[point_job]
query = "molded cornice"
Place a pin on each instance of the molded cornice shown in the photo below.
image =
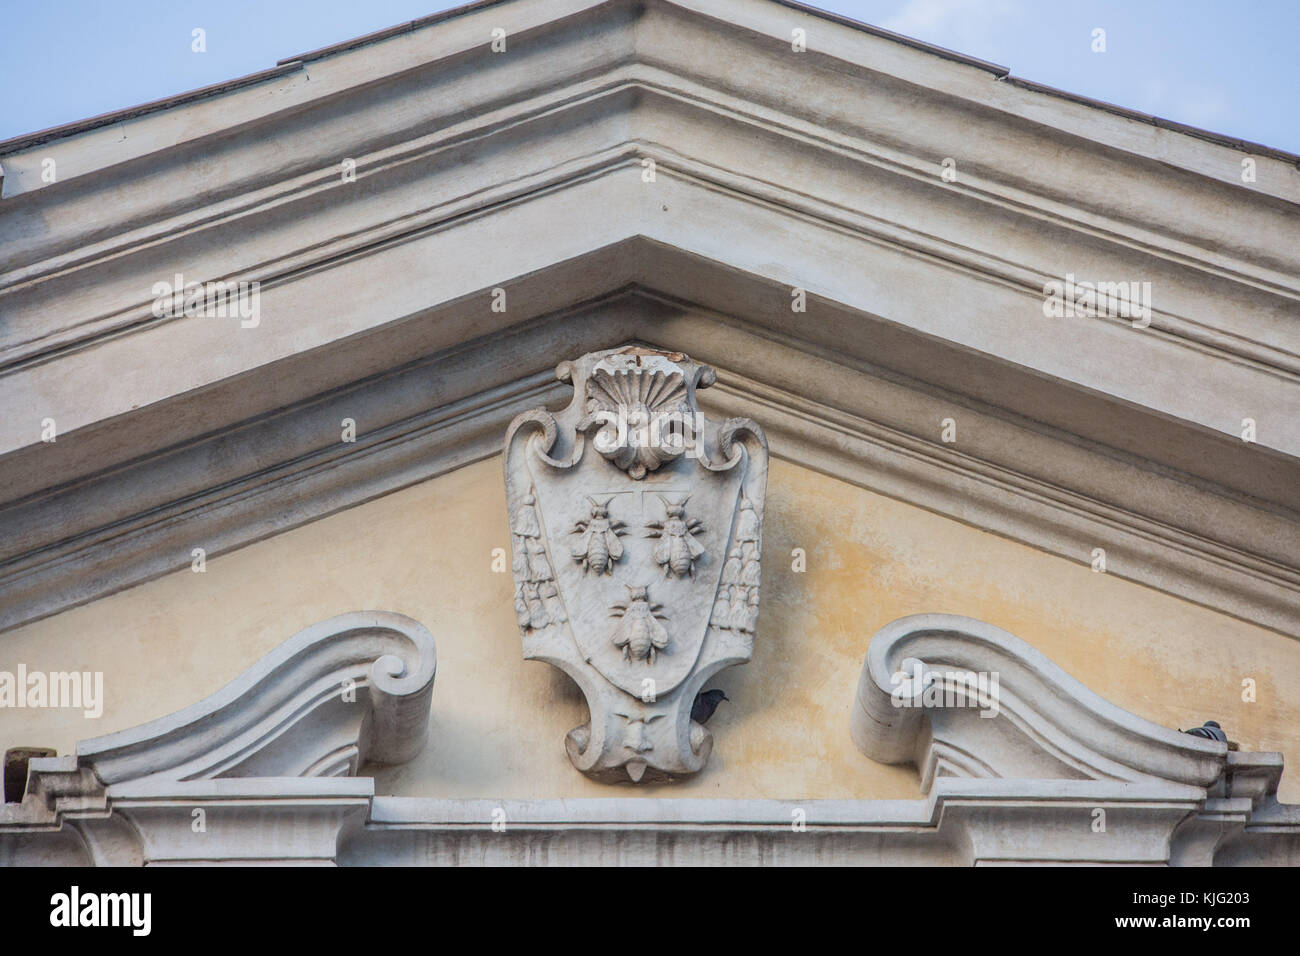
(590, 87)
(245, 776)
(820, 172)
(865, 424)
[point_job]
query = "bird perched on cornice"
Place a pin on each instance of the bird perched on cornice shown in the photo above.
(1210, 731)
(705, 704)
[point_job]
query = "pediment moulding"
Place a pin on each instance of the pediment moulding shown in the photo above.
(103, 427)
(542, 32)
(637, 549)
(1207, 521)
(1245, 321)
(1022, 146)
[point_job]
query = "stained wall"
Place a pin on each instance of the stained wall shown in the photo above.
(498, 722)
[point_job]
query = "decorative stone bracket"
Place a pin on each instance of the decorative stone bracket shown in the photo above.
(264, 769)
(637, 559)
(1025, 764)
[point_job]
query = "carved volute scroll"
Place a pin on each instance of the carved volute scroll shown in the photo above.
(636, 526)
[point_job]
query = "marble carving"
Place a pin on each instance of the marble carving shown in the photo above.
(636, 526)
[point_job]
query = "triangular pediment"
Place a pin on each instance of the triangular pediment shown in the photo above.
(967, 358)
(434, 225)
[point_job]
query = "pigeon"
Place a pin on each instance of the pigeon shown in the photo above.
(705, 704)
(1210, 731)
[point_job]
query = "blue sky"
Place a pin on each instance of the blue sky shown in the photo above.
(1231, 67)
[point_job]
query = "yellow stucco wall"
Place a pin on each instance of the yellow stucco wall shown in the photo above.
(499, 722)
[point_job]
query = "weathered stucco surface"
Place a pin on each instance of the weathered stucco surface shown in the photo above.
(498, 722)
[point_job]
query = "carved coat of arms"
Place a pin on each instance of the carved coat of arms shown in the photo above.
(636, 526)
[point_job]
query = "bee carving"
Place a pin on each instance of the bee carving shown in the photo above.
(600, 546)
(639, 633)
(677, 549)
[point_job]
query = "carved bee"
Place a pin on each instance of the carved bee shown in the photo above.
(677, 549)
(600, 546)
(639, 634)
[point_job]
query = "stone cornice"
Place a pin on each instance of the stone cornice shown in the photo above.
(239, 778)
(646, 75)
(1242, 387)
(460, 31)
(858, 423)
(649, 97)
(169, 449)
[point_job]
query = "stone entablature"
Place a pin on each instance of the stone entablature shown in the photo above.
(1050, 773)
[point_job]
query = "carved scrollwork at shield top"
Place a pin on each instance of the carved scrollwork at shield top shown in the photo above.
(637, 532)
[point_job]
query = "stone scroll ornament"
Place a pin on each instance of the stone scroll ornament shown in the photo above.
(637, 529)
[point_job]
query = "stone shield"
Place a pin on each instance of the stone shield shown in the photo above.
(636, 527)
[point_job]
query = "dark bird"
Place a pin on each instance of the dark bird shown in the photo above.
(705, 704)
(1210, 731)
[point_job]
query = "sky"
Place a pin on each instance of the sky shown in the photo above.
(1229, 66)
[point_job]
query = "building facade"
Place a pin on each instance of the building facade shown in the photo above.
(377, 426)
